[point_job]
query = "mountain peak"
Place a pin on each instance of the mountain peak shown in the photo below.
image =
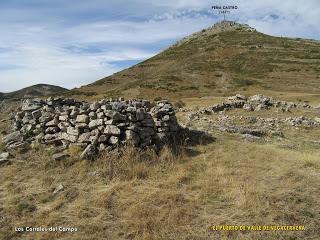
(223, 58)
(38, 90)
(222, 26)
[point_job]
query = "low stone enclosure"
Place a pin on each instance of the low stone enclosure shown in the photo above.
(254, 103)
(95, 126)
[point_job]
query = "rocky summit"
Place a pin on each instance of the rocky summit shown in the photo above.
(223, 26)
(94, 126)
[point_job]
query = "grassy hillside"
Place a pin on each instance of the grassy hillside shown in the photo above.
(220, 62)
(38, 90)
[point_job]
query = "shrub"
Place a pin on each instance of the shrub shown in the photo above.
(23, 207)
(2, 146)
(185, 88)
(243, 82)
(157, 99)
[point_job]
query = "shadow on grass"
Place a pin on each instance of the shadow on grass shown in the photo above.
(187, 138)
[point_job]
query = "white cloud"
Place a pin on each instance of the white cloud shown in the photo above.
(36, 44)
(42, 57)
(42, 64)
(52, 65)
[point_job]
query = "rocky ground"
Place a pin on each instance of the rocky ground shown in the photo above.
(255, 117)
(262, 168)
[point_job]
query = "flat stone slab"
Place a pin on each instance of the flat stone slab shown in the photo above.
(60, 156)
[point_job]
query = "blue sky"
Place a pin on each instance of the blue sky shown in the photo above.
(74, 42)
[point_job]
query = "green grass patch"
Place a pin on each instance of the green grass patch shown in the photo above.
(24, 207)
(170, 78)
(244, 82)
(185, 88)
(307, 213)
(2, 146)
(47, 199)
(210, 85)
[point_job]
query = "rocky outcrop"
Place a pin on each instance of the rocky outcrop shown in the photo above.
(95, 126)
(219, 27)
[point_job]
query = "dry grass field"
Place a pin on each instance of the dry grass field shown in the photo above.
(177, 194)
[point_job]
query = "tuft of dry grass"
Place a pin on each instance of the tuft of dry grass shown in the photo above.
(138, 194)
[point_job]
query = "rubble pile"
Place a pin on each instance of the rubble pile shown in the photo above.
(252, 125)
(252, 103)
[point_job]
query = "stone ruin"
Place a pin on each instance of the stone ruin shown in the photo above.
(96, 126)
(252, 127)
(253, 103)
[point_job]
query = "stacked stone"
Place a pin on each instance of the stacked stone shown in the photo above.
(252, 103)
(96, 126)
(165, 119)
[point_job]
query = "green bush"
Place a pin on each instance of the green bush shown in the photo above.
(23, 207)
(184, 88)
(243, 82)
(157, 99)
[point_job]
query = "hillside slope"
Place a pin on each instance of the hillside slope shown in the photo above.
(220, 60)
(38, 90)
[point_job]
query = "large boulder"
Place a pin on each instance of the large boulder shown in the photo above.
(112, 130)
(52, 123)
(21, 146)
(84, 137)
(94, 106)
(113, 140)
(36, 114)
(73, 131)
(82, 119)
(95, 123)
(29, 105)
(68, 137)
(103, 138)
(4, 155)
(115, 115)
(13, 137)
(60, 156)
(63, 118)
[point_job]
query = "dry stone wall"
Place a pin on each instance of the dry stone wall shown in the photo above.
(95, 126)
(253, 103)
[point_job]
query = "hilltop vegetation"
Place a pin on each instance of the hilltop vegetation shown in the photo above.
(38, 90)
(219, 63)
